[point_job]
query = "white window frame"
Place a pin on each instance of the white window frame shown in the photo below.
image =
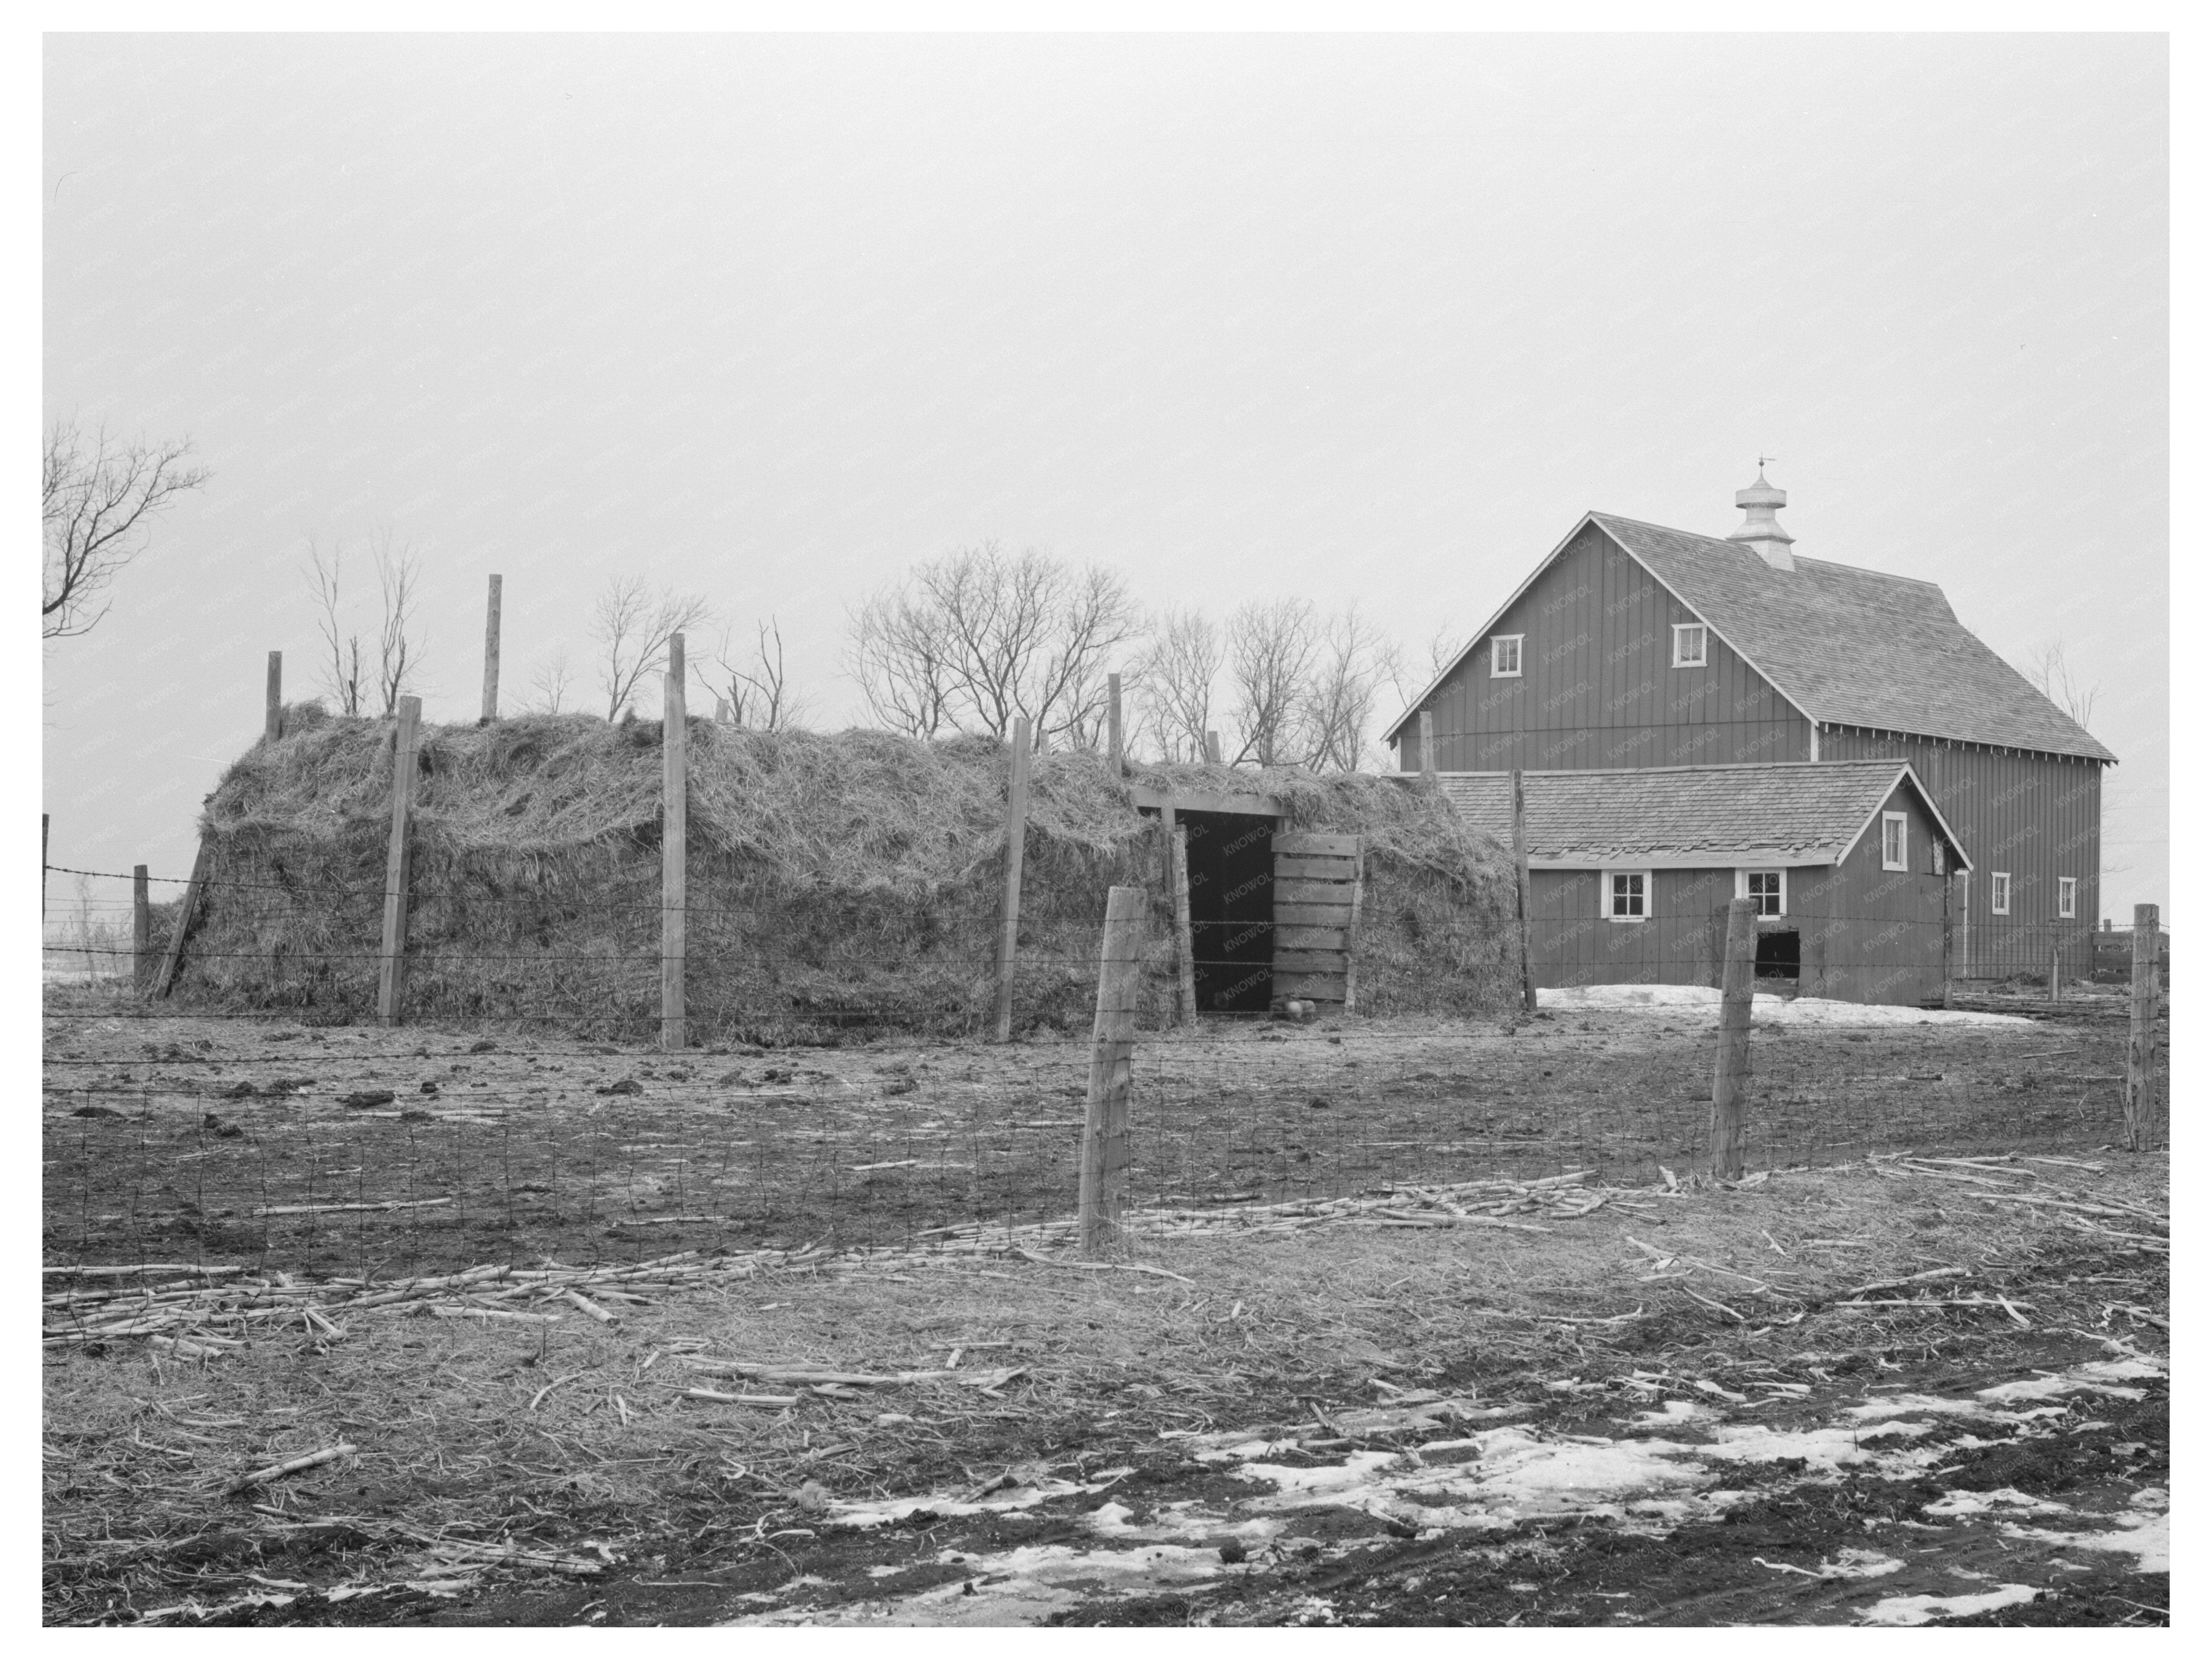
(1904, 859)
(2067, 889)
(1781, 895)
(2000, 892)
(1604, 894)
(1514, 672)
(1682, 658)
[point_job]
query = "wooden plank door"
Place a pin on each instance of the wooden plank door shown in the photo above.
(1317, 916)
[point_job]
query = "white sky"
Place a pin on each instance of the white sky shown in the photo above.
(1349, 317)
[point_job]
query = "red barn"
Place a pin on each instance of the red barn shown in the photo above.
(1633, 651)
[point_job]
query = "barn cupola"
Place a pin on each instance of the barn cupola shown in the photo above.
(1760, 530)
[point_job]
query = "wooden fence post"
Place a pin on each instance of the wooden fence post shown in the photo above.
(1186, 974)
(1213, 748)
(142, 931)
(165, 978)
(1010, 901)
(1950, 881)
(2054, 969)
(392, 969)
(1103, 1181)
(2142, 1027)
(1732, 1060)
(272, 715)
(1351, 926)
(1520, 890)
(492, 653)
(1114, 723)
(1428, 747)
(45, 834)
(674, 826)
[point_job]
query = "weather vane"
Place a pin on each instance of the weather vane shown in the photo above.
(1765, 459)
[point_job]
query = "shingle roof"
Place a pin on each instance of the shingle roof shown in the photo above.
(1852, 647)
(1783, 812)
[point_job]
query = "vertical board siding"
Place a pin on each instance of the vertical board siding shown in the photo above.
(2038, 818)
(1598, 687)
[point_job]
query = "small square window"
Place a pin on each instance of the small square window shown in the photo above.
(1505, 656)
(1764, 888)
(2000, 892)
(1628, 894)
(2066, 898)
(1689, 645)
(1893, 841)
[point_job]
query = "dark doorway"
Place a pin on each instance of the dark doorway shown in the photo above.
(1778, 955)
(1232, 910)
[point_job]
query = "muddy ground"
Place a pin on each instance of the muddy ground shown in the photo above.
(1660, 1412)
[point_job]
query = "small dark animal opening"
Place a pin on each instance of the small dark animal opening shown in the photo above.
(1232, 910)
(1778, 955)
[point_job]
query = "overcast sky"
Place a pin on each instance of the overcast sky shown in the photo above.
(1350, 318)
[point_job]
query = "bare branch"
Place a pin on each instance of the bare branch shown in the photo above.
(758, 695)
(1174, 679)
(399, 650)
(94, 500)
(633, 626)
(549, 685)
(1271, 649)
(2058, 680)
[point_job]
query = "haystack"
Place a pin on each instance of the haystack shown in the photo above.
(838, 882)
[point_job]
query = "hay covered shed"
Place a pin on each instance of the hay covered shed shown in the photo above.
(838, 882)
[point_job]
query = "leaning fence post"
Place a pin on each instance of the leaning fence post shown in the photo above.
(1213, 748)
(492, 653)
(2142, 1026)
(1428, 747)
(1010, 901)
(1732, 1060)
(1105, 1173)
(1186, 975)
(272, 713)
(165, 977)
(1521, 890)
(674, 779)
(1114, 723)
(142, 931)
(390, 971)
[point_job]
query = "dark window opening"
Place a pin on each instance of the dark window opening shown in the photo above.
(1231, 861)
(1778, 955)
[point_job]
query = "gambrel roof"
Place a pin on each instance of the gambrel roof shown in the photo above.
(1691, 816)
(1846, 646)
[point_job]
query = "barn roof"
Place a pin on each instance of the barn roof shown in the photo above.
(1847, 647)
(1691, 816)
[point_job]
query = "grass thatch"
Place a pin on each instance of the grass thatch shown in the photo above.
(836, 881)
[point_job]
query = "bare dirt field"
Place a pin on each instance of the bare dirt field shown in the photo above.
(1885, 1389)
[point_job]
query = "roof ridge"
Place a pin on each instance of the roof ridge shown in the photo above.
(1722, 541)
(1647, 771)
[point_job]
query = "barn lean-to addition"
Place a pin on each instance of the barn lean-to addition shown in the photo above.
(1633, 647)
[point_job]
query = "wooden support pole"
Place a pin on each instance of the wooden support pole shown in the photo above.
(142, 931)
(1950, 882)
(45, 835)
(721, 711)
(1010, 901)
(491, 652)
(1213, 748)
(1103, 1183)
(165, 978)
(1521, 890)
(272, 715)
(2054, 970)
(1351, 927)
(674, 801)
(1114, 723)
(2142, 1027)
(1428, 747)
(392, 967)
(1186, 974)
(1732, 1058)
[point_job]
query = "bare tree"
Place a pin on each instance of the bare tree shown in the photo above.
(2058, 680)
(549, 685)
(974, 639)
(398, 648)
(632, 626)
(1352, 664)
(345, 674)
(1175, 676)
(95, 497)
(1271, 649)
(758, 692)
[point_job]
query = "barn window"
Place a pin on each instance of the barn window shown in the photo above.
(1505, 656)
(1628, 895)
(2000, 892)
(1893, 841)
(2066, 898)
(1764, 887)
(1689, 645)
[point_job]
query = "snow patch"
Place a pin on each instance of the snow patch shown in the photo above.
(1919, 1609)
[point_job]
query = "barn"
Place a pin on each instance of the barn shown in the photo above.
(1632, 647)
(1630, 872)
